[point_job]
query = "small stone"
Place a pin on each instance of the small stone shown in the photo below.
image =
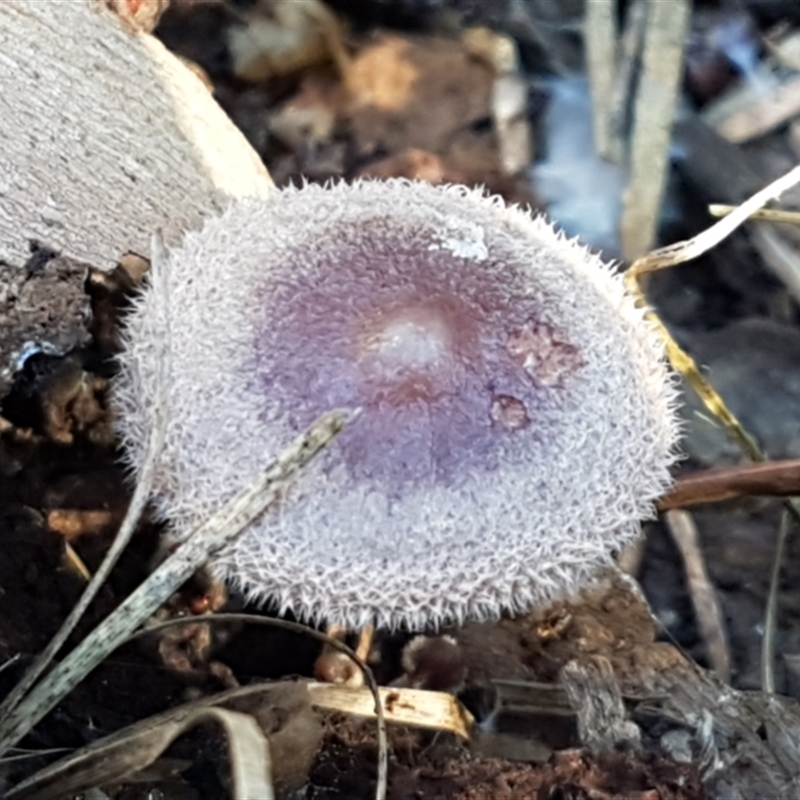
(509, 412)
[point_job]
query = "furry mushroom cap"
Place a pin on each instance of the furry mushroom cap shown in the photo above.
(518, 419)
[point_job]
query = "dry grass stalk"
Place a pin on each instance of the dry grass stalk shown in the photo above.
(138, 502)
(177, 568)
(600, 40)
(780, 256)
(657, 94)
(681, 252)
(631, 44)
(683, 363)
(439, 713)
(120, 756)
(704, 598)
(767, 214)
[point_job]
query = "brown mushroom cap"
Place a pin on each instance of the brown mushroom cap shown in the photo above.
(517, 416)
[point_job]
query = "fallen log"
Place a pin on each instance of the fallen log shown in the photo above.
(106, 137)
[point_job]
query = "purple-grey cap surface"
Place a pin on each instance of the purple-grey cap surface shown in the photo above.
(517, 416)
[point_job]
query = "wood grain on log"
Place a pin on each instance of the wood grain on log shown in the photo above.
(106, 136)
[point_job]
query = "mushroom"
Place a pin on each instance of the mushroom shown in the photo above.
(517, 418)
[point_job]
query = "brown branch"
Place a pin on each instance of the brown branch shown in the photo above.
(773, 478)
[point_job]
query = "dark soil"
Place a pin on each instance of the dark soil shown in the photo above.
(59, 454)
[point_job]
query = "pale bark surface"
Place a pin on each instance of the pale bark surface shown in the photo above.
(104, 137)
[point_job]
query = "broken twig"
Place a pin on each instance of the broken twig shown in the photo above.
(771, 478)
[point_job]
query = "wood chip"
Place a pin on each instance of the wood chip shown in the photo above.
(509, 98)
(72, 523)
(754, 109)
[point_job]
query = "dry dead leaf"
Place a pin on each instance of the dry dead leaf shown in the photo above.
(117, 757)
(415, 93)
(281, 37)
(417, 708)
